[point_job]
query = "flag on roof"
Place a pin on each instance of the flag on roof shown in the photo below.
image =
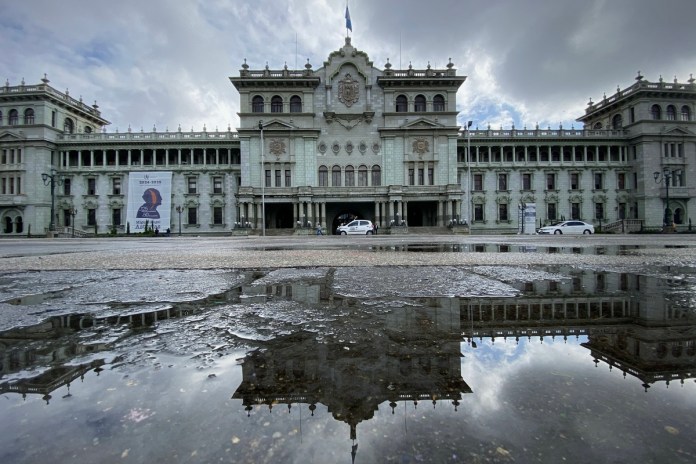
(349, 25)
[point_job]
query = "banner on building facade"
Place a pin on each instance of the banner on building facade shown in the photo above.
(149, 200)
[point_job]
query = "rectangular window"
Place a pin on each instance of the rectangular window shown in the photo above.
(192, 185)
(411, 176)
(278, 173)
(431, 176)
(66, 186)
(478, 182)
(4, 186)
(267, 181)
(503, 211)
(502, 182)
(116, 185)
(116, 216)
(217, 215)
(551, 211)
(12, 186)
(550, 181)
(621, 180)
(575, 211)
(362, 178)
(478, 212)
(91, 186)
(193, 216)
(217, 185)
(336, 177)
(350, 177)
(67, 218)
(574, 181)
(376, 177)
(598, 181)
(622, 210)
(288, 178)
(526, 181)
(323, 178)
(421, 176)
(91, 217)
(19, 186)
(53, 119)
(599, 210)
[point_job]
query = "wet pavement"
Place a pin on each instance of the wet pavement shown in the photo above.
(335, 349)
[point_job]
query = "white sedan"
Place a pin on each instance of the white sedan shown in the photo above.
(359, 227)
(568, 227)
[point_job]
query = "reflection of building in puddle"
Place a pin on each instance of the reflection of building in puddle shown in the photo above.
(413, 356)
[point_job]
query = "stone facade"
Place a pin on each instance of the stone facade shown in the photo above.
(348, 140)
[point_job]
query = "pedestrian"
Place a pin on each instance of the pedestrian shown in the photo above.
(319, 231)
(374, 228)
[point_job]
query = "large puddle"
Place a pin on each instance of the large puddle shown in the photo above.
(364, 365)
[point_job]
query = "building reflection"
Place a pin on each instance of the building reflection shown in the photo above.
(631, 322)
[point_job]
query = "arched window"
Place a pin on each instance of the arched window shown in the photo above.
(671, 113)
(656, 112)
(597, 126)
(336, 176)
(438, 103)
(276, 104)
(13, 118)
(376, 176)
(685, 114)
(401, 104)
(257, 104)
(19, 225)
(295, 104)
(29, 116)
(8, 225)
(68, 126)
(323, 176)
(362, 176)
(617, 122)
(350, 176)
(419, 103)
(0, 118)
(88, 130)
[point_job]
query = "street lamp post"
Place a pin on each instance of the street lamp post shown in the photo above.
(179, 209)
(52, 179)
(468, 171)
(263, 185)
(665, 177)
(72, 212)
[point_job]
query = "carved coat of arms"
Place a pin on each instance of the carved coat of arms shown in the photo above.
(348, 91)
(276, 147)
(421, 146)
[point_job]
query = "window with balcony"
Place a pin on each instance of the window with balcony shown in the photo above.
(401, 104)
(276, 104)
(438, 103)
(257, 104)
(217, 185)
(295, 104)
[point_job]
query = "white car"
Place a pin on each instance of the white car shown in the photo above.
(357, 227)
(568, 227)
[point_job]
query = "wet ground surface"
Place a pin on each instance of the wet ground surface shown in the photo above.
(425, 349)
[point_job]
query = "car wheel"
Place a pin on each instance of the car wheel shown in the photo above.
(557, 232)
(587, 232)
(343, 232)
(369, 232)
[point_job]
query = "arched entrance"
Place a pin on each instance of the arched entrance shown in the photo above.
(344, 217)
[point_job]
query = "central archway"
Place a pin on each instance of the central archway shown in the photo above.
(344, 217)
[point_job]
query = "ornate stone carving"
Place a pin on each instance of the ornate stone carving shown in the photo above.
(276, 146)
(348, 91)
(421, 146)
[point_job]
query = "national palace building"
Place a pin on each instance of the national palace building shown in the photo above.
(346, 140)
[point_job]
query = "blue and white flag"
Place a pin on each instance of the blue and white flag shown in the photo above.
(349, 25)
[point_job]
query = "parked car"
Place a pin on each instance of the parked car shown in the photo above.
(357, 227)
(568, 227)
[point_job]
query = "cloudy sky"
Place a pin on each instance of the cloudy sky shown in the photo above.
(164, 64)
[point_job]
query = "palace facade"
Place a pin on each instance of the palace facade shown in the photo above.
(349, 139)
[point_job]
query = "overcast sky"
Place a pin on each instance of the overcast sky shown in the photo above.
(164, 63)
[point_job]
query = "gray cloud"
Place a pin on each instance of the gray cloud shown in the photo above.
(163, 64)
